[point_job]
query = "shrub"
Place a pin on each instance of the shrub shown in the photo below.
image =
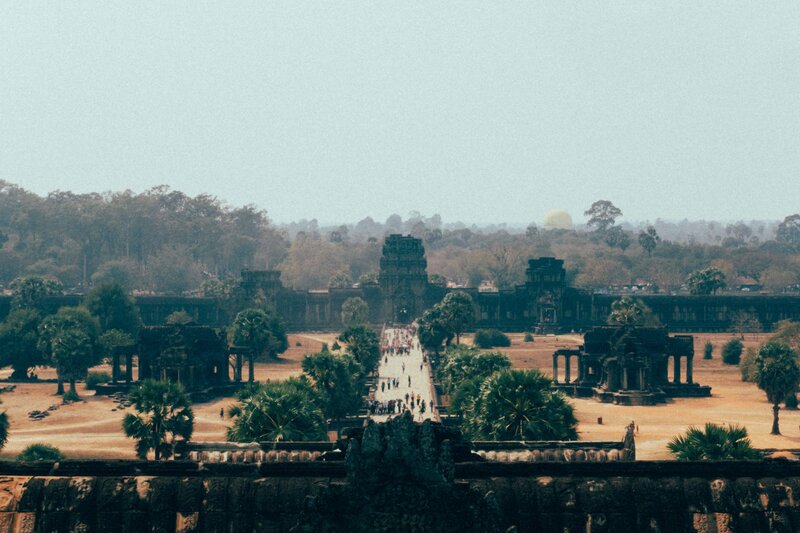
(747, 365)
(708, 350)
(93, 379)
(335, 346)
(732, 352)
(528, 337)
(40, 452)
(489, 338)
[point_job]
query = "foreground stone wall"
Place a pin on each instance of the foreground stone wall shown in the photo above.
(129, 496)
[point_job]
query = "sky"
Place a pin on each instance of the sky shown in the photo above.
(484, 112)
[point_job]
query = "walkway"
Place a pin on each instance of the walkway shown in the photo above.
(401, 360)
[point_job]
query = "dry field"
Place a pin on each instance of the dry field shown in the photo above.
(732, 401)
(93, 429)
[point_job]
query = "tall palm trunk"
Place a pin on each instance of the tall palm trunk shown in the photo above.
(72, 386)
(775, 429)
(60, 389)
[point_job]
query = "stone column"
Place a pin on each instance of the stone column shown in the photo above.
(642, 374)
(689, 365)
(237, 371)
(555, 368)
(676, 373)
(250, 368)
(567, 368)
(128, 368)
(115, 367)
(625, 378)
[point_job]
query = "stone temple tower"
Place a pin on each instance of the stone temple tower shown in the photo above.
(545, 284)
(403, 278)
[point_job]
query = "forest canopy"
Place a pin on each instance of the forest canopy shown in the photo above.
(164, 241)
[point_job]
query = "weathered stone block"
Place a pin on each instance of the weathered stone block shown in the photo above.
(779, 522)
(30, 492)
(216, 494)
(524, 492)
(24, 523)
(109, 522)
(747, 495)
(671, 496)
(163, 495)
(53, 521)
(265, 497)
(189, 495)
(566, 497)
(593, 495)
(698, 495)
(751, 521)
(241, 522)
(81, 521)
(81, 494)
(187, 522)
(55, 494)
(214, 522)
(240, 495)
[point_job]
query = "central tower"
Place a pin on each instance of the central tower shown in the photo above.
(403, 278)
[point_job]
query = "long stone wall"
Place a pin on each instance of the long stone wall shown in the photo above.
(130, 496)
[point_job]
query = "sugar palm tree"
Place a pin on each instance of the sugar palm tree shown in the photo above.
(519, 405)
(165, 417)
(278, 411)
(713, 443)
(778, 375)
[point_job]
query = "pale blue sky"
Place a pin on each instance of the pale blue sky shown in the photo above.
(479, 111)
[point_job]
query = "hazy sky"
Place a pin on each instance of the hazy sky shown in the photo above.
(480, 111)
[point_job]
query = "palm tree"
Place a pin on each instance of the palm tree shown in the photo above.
(778, 375)
(278, 411)
(714, 443)
(519, 405)
(165, 417)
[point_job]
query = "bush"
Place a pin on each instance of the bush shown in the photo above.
(528, 337)
(335, 346)
(40, 452)
(747, 366)
(93, 379)
(732, 352)
(708, 350)
(489, 338)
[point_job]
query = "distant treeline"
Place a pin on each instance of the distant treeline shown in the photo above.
(167, 242)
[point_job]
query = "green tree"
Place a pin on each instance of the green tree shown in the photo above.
(113, 308)
(713, 443)
(706, 281)
(355, 311)
(164, 418)
(789, 231)
(457, 313)
(337, 379)
(602, 215)
(490, 338)
(340, 280)
(40, 452)
(364, 345)
(629, 312)
(278, 411)
(431, 329)
(260, 330)
(19, 335)
(437, 280)
(520, 405)
(616, 237)
(465, 363)
(648, 240)
(70, 341)
(732, 352)
(30, 292)
(4, 427)
(708, 350)
(778, 375)
(122, 272)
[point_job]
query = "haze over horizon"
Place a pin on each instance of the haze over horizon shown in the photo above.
(480, 113)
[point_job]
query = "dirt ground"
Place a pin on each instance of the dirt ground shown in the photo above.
(92, 428)
(732, 401)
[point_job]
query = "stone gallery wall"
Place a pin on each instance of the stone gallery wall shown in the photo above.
(130, 496)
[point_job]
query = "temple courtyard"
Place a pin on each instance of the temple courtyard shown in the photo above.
(92, 428)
